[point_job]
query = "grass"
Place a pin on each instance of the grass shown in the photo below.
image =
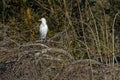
(80, 37)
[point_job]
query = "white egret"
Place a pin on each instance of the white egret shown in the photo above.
(43, 29)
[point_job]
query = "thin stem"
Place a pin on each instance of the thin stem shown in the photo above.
(113, 37)
(113, 42)
(3, 20)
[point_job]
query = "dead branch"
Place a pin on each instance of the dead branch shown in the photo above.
(34, 44)
(57, 50)
(86, 61)
(42, 5)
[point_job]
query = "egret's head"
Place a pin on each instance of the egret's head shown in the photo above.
(43, 20)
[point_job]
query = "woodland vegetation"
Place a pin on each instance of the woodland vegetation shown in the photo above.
(83, 42)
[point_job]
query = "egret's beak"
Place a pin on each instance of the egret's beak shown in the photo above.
(39, 20)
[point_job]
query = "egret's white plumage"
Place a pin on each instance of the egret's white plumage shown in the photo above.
(43, 29)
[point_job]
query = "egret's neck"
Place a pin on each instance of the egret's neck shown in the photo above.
(44, 23)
